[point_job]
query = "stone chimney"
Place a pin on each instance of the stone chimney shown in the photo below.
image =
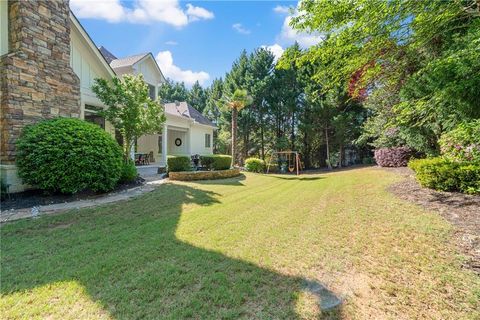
(36, 79)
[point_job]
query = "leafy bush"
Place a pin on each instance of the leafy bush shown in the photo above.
(179, 163)
(207, 162)
(368, 160)
(216, 161)
(68, 155)
(393, 157)
(445, 175)
(254, 165)
(129, 171)
(462, 143)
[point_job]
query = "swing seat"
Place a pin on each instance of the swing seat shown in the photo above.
(290, 168)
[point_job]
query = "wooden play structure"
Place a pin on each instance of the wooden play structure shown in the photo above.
(287, 160)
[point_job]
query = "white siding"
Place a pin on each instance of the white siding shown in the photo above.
(3, 27)
(197, 139)
(87, 67)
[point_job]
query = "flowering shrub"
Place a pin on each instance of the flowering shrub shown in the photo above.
(393, 157)
(462, 143)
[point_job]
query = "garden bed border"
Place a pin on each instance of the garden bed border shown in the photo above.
(203, 175)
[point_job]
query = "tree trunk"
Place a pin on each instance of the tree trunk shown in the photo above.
(328, 148)
(262, 139)
(234, 136)
(340, 157)
(293, 131)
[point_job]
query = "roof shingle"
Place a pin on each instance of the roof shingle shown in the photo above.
(183, 109)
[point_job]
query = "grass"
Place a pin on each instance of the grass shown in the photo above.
(251, 247)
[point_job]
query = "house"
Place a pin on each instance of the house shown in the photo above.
(48, 64)
(186, 131)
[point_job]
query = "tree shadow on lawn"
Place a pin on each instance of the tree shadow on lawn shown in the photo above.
(129, 260)
(295, 177)
(235, 181)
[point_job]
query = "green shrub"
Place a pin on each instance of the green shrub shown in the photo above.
(446, 175)
(216, 161)
(462, 143)
(129, 171)
(254, 165)
(68, 155)
(207, 162)
(179, 163)
(368, 160)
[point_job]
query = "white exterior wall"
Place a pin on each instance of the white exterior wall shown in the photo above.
(197, 139)
(3, 27)
(87, 67)
(191, 134)
(147, 68)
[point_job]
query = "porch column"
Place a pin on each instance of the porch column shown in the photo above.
(164, 144)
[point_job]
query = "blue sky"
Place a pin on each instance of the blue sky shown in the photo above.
(191, 40)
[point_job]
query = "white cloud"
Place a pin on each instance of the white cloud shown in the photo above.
(197, 13)
(170, 70)
(240, 28)
(110, 10)
(288, 35)
(171, 43)
(276, 49)
(282, 9)
(143, 11)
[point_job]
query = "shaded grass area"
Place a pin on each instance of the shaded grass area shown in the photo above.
(264, 247)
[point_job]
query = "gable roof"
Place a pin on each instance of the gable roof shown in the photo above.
(183, 109)
(127, 61)
(76, 24)
(107, 54)
(125, 65)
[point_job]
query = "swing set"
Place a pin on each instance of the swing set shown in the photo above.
(286, 160)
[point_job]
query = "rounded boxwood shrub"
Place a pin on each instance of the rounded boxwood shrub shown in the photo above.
(129, 171)
(254, 165)
(393, 157)
(68, 155)
(462, 143)
(179, 163)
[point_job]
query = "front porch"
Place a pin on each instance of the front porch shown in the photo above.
(172, 141)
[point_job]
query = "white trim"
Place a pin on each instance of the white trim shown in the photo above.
(150, 55)
(92, 46)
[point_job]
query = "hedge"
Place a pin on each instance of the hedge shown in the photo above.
(393, 157)
(68, 155)
(179, 163)
(446, 175)
(255, 165)
(216, 161)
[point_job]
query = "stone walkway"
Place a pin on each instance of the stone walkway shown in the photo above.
(151, 183)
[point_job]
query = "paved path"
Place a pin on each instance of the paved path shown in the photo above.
(151, 183)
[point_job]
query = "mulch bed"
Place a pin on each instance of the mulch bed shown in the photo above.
(35, 198)
(462, 210)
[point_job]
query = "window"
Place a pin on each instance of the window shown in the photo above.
(92, 116)
(160, 143)
(151, 91)
(207, 140)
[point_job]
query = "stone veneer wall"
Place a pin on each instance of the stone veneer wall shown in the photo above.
(203, 175)
(36, 79)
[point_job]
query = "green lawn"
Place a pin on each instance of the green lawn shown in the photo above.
(250, 247)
